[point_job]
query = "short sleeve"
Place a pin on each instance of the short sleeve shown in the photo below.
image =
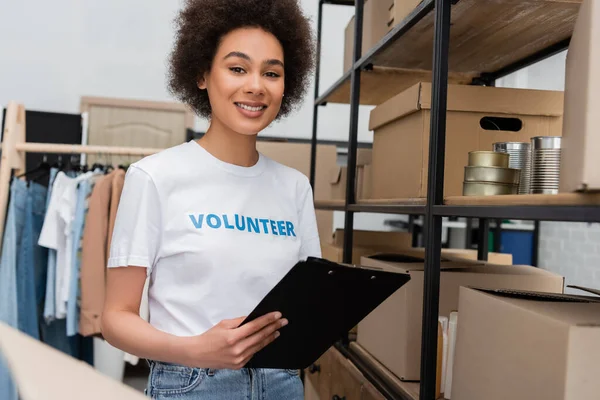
(136, 234)
(50, 228)
(309, 232)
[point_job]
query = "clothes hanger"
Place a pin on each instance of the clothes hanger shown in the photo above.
(42, 167)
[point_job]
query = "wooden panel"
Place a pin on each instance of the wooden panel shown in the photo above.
(486, 35)
(321, 380)
(346, 379)
(381, 84)
(370, 393)
(406, 389)
(134, 127)
(561, 199)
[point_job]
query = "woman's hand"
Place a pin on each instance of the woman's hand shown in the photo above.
(230, 346)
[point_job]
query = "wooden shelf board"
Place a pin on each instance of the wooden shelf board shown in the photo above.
(395, 202)
(330, 205)
(381, 84)
(486, 35)
(561, 199)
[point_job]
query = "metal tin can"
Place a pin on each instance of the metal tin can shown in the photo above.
(488, 189)
(545, 164)
(493, 174)
(488, 159)
(520, 158)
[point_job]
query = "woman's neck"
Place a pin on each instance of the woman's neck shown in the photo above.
(229, 146)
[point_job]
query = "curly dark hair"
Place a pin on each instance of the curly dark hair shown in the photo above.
(202, 23)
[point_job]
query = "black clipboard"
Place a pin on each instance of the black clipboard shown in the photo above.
(323, 301)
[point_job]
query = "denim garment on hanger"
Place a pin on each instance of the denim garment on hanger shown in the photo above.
(15, 220)
(32, 263)
(49, 302)
(83, 191)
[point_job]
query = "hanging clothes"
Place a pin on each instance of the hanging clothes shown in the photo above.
(103, 204)
(31, 264)
(15, 219)
(54, 331)
(57, 234)
(84, 191)
(21, 267)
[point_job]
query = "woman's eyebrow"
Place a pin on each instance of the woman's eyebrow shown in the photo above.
(273, 61)
(245, 56)
(238, 54)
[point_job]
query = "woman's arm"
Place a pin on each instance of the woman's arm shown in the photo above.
(122, 325)
(225, 346)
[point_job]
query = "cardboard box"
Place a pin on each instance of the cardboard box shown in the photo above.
(339, 177)
(522, 346)
(366, 243)
(402, 129)
(41, 372)
(375, 18)
(580, 166)
(392, 332)
(464, 254)
(297, 156)
(325, 225)
(399, 9)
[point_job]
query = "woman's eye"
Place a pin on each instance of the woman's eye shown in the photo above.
(237, 70)
(272, 75)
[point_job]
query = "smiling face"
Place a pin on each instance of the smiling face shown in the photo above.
(246, 82)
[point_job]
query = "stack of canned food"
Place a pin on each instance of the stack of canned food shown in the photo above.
(488, 174)
(515, 168)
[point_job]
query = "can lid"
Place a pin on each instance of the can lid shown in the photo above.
(506, 146)
(546, 142)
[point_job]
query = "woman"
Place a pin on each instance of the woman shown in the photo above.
(213, 223)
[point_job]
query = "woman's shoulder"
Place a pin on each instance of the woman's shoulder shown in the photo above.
(287, 174)
(164, 162)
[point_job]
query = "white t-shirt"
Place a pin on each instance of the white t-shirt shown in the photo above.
(57, 234)
(215, 237)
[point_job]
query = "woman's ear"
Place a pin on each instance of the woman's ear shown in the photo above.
(202, 81)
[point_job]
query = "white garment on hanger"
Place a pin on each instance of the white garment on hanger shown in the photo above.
(56, 233)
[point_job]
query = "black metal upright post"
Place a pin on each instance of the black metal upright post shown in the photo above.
(498, 236)
(313, 143)
(435, 197)
(536, 244)
(353, 134)
(483, 242)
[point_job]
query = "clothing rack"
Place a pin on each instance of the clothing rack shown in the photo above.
(14, 148)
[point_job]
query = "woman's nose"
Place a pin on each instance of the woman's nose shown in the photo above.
(254, 84)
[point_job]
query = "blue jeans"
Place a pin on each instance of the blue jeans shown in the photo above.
(31, 264)
(13, 232)
(170, 381)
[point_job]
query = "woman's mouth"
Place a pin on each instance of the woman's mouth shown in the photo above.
(251, 108)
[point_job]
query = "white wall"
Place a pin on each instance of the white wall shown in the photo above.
(54, 52)
(569, 249)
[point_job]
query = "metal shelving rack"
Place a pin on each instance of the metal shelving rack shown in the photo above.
(439, 12)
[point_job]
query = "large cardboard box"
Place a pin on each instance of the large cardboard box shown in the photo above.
(580, 164)
(392, 332)
(339, 177)
(41, 372)
(464, 254)
(399, 10)
(297, 156)
(477, 117)
(375, 18)
(524, 346)
(365, 243)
